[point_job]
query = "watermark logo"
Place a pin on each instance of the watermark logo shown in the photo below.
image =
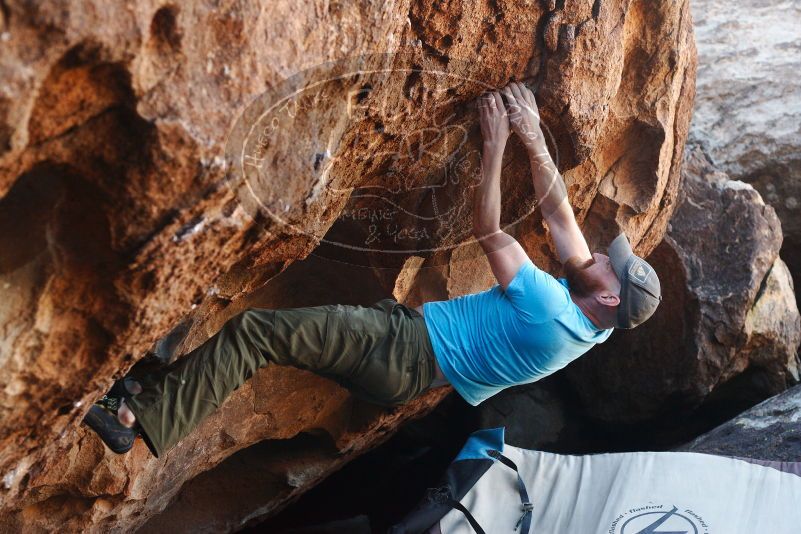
(659, 519)
(390, 144)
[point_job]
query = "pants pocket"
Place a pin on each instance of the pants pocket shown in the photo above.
(349, 338)
(365, 354)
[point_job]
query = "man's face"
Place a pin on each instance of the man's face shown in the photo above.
(593, 277)
(602, 271)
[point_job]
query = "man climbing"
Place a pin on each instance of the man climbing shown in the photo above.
(522, 329)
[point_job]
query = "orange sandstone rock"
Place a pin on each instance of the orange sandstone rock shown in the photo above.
(122, 213)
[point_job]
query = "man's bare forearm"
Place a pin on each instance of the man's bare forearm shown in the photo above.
(548, 183)
(487, 203)
(524, 118)
(487, 200)
(504, 253)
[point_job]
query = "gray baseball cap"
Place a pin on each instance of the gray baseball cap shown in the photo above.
(640, 292)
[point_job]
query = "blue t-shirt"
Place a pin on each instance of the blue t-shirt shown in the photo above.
(488, 341)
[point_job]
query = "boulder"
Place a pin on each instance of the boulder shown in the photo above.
(728, 311)
(748, 102)
(535, 416)
(768, 431)
(170, 164)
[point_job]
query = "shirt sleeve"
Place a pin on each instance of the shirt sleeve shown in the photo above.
(536, 295)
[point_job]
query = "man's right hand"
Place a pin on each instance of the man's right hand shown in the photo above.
(524, 116)
(494, 122)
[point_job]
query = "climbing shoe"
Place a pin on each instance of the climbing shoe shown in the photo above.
(117, 437)
(102, 418)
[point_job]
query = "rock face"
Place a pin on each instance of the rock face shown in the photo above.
(162, 163)
(748, 105)
(768, 431)
(728, 310)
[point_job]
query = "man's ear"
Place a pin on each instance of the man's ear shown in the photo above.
(607, 298)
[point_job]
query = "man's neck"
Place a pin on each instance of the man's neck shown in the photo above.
(586, 308)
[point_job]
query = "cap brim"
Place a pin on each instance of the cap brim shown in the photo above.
(619, 253)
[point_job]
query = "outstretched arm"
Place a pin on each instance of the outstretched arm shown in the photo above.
(548, 184)
(504, 253)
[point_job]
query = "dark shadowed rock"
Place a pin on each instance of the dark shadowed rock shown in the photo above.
(535, 416)
(728, 307)
(770, 430)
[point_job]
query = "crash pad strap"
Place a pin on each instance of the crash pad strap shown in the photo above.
(470, 519)
(527, 508)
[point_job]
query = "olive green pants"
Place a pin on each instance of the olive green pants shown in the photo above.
(382, 353)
